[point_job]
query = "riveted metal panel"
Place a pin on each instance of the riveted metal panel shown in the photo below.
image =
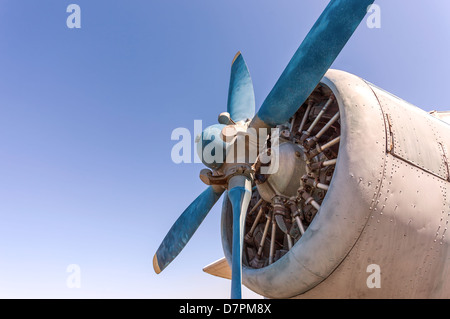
(413, 135)
(406, 236)
(342, 218)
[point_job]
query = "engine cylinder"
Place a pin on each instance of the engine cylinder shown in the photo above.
(330, 257)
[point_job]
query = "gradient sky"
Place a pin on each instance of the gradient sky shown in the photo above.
(86, 117)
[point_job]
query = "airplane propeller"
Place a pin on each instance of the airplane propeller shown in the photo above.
(241, 98)
(309, 64)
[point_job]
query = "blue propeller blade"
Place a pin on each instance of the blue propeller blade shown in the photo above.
(241, 98)
(185, 226)
(239, 194)
(312, 59)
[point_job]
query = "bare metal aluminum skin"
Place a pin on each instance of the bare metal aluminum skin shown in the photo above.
(388, 204)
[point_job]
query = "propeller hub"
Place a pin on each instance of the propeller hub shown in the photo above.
(211, 148)
(291, 161)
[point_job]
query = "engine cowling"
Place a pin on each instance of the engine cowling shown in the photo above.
(372, 189)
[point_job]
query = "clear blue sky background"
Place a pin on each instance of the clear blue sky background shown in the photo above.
(86, 117)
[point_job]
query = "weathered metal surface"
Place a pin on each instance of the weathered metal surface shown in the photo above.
(442, 115)
(385, 206)
(405, 236)
(416, 136)
(286, 180)
(241, 98)
(219, 268)
(184, 227)
(239, 193)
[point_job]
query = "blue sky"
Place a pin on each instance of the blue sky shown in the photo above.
(86, 117)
